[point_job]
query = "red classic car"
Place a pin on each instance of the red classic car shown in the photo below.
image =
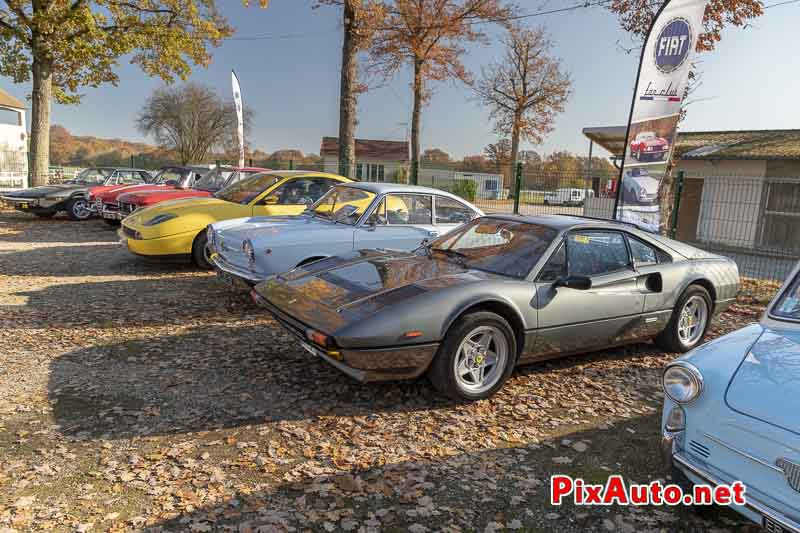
(648, 145)
(210, 183)
(105, 202)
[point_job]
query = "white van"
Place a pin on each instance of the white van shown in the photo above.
(571, 196)
(13, 143)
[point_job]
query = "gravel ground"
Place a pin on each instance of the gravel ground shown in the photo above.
(141, 396)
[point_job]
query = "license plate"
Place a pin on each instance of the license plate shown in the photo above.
(23, 205)
(773, 527)
(307, 347)
(225, 278)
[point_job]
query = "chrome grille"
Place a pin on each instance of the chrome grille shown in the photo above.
(98, 204)
(791, 471)
(699, 449)
(127, 208)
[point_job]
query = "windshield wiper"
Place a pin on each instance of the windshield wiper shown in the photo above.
(451, 253)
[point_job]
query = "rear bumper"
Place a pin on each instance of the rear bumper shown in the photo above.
(699, 472)
(363, 364)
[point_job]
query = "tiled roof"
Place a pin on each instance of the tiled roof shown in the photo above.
(755, 144)
(752, 144)
(9, 101)
(369, 148)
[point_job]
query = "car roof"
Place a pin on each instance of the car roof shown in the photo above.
(566, 222)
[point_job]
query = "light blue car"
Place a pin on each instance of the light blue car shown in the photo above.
(351, 216)
(732, 413)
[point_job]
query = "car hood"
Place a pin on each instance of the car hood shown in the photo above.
(47, 190)
(112, 193)
(335, 292)
(766, 386)
(149, 197)
(291, 229)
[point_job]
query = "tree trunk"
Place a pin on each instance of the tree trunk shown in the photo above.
(348, 96)
(510, 178)
(666, 201)
(40, 120)
(416, 117)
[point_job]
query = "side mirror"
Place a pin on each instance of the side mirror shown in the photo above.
(578, 283)
(271, 200)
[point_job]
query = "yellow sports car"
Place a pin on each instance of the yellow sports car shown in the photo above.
(178, 228)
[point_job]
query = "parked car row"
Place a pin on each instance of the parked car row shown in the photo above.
(387, 282)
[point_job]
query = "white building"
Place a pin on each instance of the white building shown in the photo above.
(13, 143)
(375, 160)
(488, 186)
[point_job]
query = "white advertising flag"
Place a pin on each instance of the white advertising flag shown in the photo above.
(655, 111)
(237, 100)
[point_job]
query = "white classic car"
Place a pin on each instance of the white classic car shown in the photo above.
(352, 216)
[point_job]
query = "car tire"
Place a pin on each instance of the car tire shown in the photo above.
(200, 252)
(45, 214)
(680, 335)
(112, 223)
(473, 384)
(77, 209)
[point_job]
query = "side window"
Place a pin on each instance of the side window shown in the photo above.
(449, 211)
(556, 266)
(593, 253)
(378, 217)
(409, 209)
(292, 192)
(144, 177)
(319, 186)
(643, 254)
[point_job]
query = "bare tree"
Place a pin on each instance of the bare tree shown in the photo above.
(430, 35)
(190, 120)
(499, 154)
(525, 89)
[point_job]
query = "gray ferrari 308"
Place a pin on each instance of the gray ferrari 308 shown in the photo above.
(500, 291)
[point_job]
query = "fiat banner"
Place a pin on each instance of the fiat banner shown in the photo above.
(653, 122)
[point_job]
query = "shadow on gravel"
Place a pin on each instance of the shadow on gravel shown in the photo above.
(25, 228)
(469, 491)
(96, 259)
(210, 377)
(176, 299)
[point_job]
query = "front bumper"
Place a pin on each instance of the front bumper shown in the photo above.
(226, 270)
(364, 364)
(699, 472)
(171, 245)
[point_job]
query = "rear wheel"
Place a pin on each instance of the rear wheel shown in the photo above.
(689, 322)
(200, 254)
(77, 209)
(476, 357)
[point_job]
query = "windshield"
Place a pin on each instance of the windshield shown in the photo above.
(94, 175)
(788, 305)
(246, 190)
(343, 204)
(498, 246)
(214, 179)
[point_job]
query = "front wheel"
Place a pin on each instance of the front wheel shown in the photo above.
(200, 254)
(77, 209)
(476, 357)
(689, 322)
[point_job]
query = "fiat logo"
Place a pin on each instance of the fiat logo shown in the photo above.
(672, 45)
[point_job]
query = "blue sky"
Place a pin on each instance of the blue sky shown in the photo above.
(291, 80)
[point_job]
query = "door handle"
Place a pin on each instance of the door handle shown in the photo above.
(433, 234)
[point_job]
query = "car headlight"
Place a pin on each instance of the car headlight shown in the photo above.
(210, 237)
(158, 219)
(247, 249)
(682, 382)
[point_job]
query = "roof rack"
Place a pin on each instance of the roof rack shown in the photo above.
(600, 219)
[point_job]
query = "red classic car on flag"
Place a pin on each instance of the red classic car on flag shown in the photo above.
(647, 145)
(207, 185)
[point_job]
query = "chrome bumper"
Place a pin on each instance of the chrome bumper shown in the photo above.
(221, 265)
(16, 201)
(677, 460)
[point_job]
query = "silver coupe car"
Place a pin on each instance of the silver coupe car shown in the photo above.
(347, 217)
(497, 292)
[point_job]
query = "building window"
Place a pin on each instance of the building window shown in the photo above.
(381, 173)
(359, 173)
(780, 225)
(491, 185)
